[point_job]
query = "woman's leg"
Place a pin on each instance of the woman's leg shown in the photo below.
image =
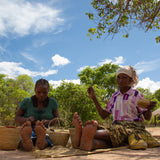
(103, 134)
(88, 142)
(99, 144)
(78, 129)
(26, 131)
(88, 137)
(40, 131)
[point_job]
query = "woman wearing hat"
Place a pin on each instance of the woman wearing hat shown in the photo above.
(127, 127)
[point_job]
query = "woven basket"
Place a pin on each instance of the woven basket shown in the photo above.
(72, 135)
(9, 137)
(58, 136)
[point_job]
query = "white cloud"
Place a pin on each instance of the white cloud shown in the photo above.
(118, 60)
(141, 67)
(22, 17)
(83, 67)
(40, 42)
(105, 61)
(147, 66)
(49, 72)
(59, 61)
(2, 50)
(147, 83)
(58, 83)
(13, 69)
(29, 57)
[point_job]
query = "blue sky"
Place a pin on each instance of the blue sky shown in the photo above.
(47, 39)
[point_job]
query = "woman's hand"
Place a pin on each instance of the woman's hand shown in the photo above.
(51, 122)
(91, 93)
(148, 114)
(54, 121)
(45, 122)
(31, 119)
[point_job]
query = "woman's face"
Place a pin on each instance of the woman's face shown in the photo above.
(123, 80)
(41, 92)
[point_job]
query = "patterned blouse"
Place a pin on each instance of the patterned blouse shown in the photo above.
(124, 106)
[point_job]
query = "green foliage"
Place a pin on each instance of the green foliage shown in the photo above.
(157, 105)
(115, 16)
(25, 83)
(103, 76)
(152, 97)
(74, 98)
(71, 97)
(146, 93)
(157, 94)
(12, 91)
(157, 39)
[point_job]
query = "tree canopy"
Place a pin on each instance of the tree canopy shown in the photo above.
(113, 16)
(157, 94)
(103, 76)
(74, 98)
(12, 91)
(70, 97)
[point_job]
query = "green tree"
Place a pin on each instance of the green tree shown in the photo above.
(146, 93)
(103, 76)
(150, 96)
(26, 83)
(22, 87)
(7, 108)
(112, 17)
(12, 91)
(157, 94)
(74, 98)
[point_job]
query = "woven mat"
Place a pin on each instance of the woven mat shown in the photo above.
(60, 151)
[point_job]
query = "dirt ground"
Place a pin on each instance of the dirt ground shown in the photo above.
(124, 154)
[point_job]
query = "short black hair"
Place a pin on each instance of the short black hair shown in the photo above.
(42, 82)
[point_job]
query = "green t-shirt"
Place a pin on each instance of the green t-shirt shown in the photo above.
(46, 113)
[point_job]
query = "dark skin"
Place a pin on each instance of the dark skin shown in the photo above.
(41, 92)
(101, 137)
(124, 84)
(88, 137)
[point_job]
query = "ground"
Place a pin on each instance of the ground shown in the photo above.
(124, 154)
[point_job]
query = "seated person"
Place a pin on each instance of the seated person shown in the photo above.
(34, 114)
(127, 126)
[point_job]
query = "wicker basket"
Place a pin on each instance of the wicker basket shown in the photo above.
(58, 136)
(72, 135)
(9, 137)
